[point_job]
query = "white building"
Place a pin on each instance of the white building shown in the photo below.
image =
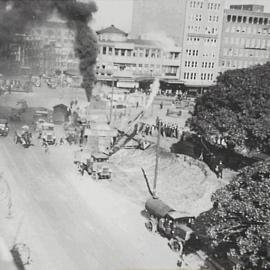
(201, 42)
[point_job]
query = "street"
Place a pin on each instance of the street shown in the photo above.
(71, 222)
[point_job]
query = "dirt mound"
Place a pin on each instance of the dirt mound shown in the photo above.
(184, 183)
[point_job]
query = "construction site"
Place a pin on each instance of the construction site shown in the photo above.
(74, 189)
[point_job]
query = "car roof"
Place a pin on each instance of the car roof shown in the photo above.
(48, 124)
(179, 214)
(99, 155)
(3, 121)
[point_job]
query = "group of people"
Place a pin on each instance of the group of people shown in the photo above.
(214, 163)
(166, 129)
(45, 143)
(9, 85)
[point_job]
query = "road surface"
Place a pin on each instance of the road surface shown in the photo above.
(71, 222)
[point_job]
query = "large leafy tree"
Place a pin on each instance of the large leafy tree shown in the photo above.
(238, 108)
(239, 224)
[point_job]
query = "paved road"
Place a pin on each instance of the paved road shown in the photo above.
(73, 223)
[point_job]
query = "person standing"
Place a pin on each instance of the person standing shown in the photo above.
(46, 147)
(220, 170)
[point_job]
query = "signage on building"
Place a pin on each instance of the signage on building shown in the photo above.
(127, 84)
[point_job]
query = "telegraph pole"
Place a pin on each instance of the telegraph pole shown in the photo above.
(111, 109)
(157, 161)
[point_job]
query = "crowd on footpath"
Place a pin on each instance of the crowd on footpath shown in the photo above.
(168, 130)
(8, 85)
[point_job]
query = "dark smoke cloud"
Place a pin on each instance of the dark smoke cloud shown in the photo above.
(15, 15)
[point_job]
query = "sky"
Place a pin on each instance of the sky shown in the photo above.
(119, 12)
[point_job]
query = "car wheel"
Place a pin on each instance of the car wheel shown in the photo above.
(150, 226)
(176, 246)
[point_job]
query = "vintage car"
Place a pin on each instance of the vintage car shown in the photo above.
(95, 165)
(172, 224)
(36, 81)
(100, 168)
(52, 82)
(4, 127)
(47, 133)
(38, 124)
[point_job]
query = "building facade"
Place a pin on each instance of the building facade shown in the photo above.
(151, 17)
(135, 58)
(201, 42)
(245, 37)
(45, 48)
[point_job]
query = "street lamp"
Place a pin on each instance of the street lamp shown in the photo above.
(111, 108)
(157, 161)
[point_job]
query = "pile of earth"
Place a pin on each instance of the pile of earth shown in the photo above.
(183, 183)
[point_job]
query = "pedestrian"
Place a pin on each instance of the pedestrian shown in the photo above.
(220, 170)
(180, 260)
(137, 104)
(46, 147)
(161, 105)
(83, 168)
(61, 141)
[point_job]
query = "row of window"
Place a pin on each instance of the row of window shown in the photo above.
(196, 4)
(140, 67)
(207, 30)
(246, 53)
(249, 30)
(192, 52)
(250, 20)
(208, 64)
(213, 18)
(196, 17)
(240, 64)
(52, 33)
(190, 76)
(193, 76)
(254, 43)
(207, 76)
(199, 4)
(205, 40)
(147, 53)
(196, 53)
(191, 64)
(194, 64)
(215, 6)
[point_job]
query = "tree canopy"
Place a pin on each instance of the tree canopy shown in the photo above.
(239, 224)
(238, 108)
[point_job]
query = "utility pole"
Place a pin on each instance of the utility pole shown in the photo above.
(111, 109)
(157, 161)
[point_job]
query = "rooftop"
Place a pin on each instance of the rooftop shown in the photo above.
(111, 30)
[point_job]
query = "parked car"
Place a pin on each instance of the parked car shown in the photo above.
(47, 133)
(4, 129)
(172, 224)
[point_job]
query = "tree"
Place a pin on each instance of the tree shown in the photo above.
(239, 224)
(237, 108)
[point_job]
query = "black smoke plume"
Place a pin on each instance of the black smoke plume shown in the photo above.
(15, 15)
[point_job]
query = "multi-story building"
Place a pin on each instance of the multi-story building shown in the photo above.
(45, 47)
(160, 17)
(135, 58)
(245, 37)
(201, 42)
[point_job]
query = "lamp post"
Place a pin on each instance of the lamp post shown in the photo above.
(157, 161)
(111, 108)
